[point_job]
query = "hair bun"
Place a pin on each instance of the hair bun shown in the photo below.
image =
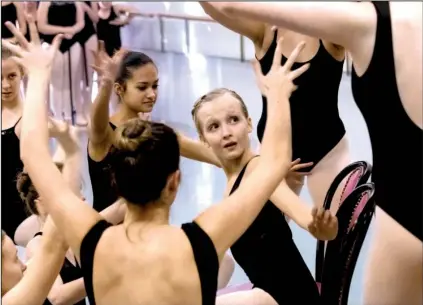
(132, 134)
(23, 184)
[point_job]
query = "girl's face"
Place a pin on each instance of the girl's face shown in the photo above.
(224, 127)
(11, 265)
(11, 77)
(140, 92)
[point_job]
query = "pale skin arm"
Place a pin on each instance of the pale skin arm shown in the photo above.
(196, 150)
(80, 20)
(41, 272)
(99, 130)
(327, 20)
(254, 30)
(73, 217)
(21, 17)
(43, 25)
(68, 152)
(92, 11)
(60, 293)
(285, 199)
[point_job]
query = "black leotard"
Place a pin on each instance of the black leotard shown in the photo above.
(269, 257)
(104, 194)
(394, 137)
(61, 13)
(12, 208)
(316, 125)
(88, 30)
(109, 33)
(82, 37)
(8, 13)
(202, 246)
(68, 273)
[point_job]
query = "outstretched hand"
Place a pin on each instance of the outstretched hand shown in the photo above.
(280, 78)
(324, 225)
(107, 67)
(31, 55)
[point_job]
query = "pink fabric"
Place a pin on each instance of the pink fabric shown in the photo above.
(358, 210)
(351, 184)
(319, 287)
(235, 288)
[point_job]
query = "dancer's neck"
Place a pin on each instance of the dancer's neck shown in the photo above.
(234, 167)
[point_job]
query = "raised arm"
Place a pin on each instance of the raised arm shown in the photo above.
(196, 150)
(42, 22)
(228, 220)
(41, 272)
(68, 152)
(343, 23)
(254, 30)
(72, 216)
(100, 132)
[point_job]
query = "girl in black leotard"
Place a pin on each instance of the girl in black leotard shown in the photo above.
(12, 12)
(146, 260)
(266, 251)
(318, 133)
(387, 85)
(135, 79)
(13, 211)
(87, 38)
(68, 18)
(111, 18)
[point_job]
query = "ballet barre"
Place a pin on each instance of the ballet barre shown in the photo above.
(188, 18)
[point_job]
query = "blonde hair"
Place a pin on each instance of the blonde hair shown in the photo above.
(6, 54)
(209, 97)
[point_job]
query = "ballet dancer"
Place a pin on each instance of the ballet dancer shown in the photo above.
(112, 16)
(13, 210)
(384, 40)
(68, 18)
(318, 133)
(12, 12)
(266, 251)
(33, 286)
(178, 266)
(87, 38)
